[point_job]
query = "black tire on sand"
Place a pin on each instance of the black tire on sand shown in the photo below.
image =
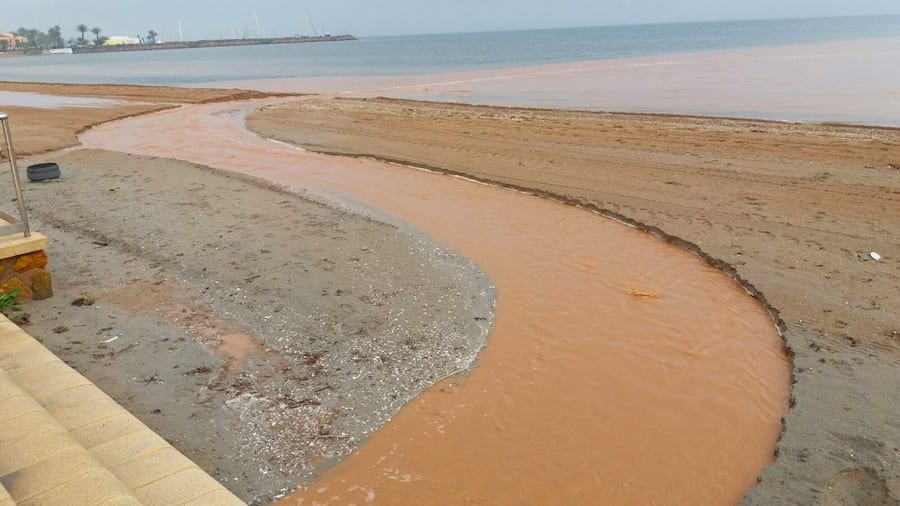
(43, 171)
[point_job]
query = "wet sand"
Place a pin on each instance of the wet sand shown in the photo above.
(795, 209)
(40, 129)
(262, 334)
(611, 365)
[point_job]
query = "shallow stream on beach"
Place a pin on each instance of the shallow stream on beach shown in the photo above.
(620, 369)
(41, 101)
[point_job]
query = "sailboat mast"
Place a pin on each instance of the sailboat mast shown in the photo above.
(310, 27)
(259, 32)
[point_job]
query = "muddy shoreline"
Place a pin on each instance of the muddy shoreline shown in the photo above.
(45, 130)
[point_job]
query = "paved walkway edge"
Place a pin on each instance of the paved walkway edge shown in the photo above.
(64, 441)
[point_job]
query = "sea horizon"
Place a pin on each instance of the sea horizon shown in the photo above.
(403, 55)
(783, 69)
(629, 25)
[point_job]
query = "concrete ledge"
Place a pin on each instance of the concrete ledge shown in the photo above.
(17, 244)
(41, 463)
(5, 499)
(64, 441)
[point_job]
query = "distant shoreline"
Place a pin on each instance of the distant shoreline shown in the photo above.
(211, 43)
(191, 45)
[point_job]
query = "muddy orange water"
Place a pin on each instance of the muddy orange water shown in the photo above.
(620, 369)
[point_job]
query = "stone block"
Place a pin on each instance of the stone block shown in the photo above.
(14, 407)
(30, 261)
(144, 470)
(13, 283)
(215, 498)
(179, 488)
(42, 442)
(95, 434)
(5, 499)
(41, 284)
(46, 378)
(75, 483)
(125, 449)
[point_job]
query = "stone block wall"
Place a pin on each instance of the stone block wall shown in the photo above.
(28, 273)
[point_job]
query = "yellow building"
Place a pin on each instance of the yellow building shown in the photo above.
(11, 41)
(117, 40)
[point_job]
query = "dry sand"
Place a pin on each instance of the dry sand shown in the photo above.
(796, 209)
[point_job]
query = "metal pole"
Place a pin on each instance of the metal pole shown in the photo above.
(20, 199)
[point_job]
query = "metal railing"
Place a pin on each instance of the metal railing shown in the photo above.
(15, 226)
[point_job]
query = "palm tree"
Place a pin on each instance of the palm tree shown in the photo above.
(96, 31)
(82, 29)
(54, 33)
(152, 35)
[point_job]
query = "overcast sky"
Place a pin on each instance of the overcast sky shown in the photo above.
(221, 18)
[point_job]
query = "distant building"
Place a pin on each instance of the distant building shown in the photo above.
(121, 41)
(10, 41)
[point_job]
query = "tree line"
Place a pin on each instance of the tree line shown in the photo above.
(53, 37)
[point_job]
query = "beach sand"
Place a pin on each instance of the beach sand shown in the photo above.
(795, 209)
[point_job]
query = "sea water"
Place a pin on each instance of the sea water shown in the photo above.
(844, 70)
(429, 54)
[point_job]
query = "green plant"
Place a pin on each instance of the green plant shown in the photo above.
(8, 299)
(10, 307)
